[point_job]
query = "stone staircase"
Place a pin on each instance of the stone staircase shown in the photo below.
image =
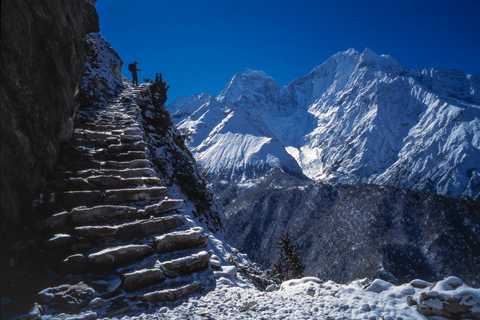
(122, 242)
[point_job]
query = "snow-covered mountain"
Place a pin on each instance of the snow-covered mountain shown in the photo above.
(357, 118)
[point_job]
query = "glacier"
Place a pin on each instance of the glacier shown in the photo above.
(357, 118)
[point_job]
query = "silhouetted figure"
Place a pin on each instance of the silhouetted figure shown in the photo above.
(133, 69)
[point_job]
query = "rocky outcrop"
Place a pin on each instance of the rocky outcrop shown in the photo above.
(43, 55)
(451, 299)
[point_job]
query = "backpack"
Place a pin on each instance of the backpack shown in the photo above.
(131, 67)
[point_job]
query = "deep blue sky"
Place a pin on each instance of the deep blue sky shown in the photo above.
(198, 45)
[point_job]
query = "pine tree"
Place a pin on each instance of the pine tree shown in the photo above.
(288, 265)
(159, 89)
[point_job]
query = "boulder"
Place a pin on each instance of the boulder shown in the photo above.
(451, 299)
(142, 278)
(186, 265)
(68, 298)
(180, 240)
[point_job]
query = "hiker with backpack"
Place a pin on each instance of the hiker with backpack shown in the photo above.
(132, 67)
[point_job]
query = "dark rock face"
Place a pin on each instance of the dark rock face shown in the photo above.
(349, 232)
(43, 56)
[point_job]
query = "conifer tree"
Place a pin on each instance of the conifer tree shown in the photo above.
(159, 89)
(288, 265)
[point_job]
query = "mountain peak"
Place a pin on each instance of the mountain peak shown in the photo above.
(255, 73)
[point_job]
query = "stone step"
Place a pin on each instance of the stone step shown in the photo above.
(180, 240)
(85, 164)
(89, 134)
(143, 181)
(145, 228)
(137, 163)
(131, 138)
(134, 194)
(186, 265)
(164, 206)
(170, 294)
(105, 213)
(129, 155)
(127, 147)
(114, 257)
(142, 278)
(123, 173)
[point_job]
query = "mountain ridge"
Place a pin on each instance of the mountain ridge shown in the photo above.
(359, 118)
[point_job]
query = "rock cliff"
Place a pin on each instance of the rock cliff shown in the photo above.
(43, 56)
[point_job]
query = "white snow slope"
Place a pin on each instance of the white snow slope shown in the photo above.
(311, 298)
(357, 118)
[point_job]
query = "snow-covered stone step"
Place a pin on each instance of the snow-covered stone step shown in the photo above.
(135, 194)
(120, 255)
(89, 134)
(142, 278)
(123, 173)
(185, 265)
(164, 206)
(170, 294)
(148, 227)
(127, 147)
(130, 155)
(180, 240)
(143, 181)
(137, 163)
(131, 138)
(100, 214)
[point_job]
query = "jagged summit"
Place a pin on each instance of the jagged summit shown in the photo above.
(361, 117)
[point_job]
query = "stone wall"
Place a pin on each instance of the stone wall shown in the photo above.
(42, 61)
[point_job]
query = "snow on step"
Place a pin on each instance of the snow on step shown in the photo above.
(96, 231)
(138, 163)
(121, 254)
(135, 194)
(142, 278)
(164, 206)
(104, 213)
(103, 182)
(180, 240)
(171, 294)
(130, 138)
(124, 173)
(130, 155)
(143, 180)
(186, 265)
(136, 146)
(144, 228)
